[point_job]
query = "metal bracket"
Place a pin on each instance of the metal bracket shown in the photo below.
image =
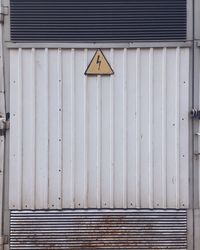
(197, 154)
(195, 114)
(3, 240)
(4, 125)
(4, 10)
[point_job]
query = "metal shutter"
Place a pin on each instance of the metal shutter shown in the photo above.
(99, 229)
(98, 21)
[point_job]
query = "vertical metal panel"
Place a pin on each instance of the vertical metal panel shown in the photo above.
(151, 132)
(131, 126)
(111, 162)
(183, 123)
(16, 130)
(68, 132)
(107, 155)
(79, 129)
(42, 128)
(171, 128)
(85, 134)
(138, 124)
(163, 127)
(99, 142)
(118, 129)
(28, 131)
(144, 128)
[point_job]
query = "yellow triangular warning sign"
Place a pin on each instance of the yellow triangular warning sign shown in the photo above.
(99, 65)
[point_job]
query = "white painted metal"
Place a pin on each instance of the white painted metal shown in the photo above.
(99, 142)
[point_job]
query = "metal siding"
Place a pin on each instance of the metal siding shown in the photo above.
(92, 20)
(41, 157)
(105, 229)
(3, 142)
(99, 142)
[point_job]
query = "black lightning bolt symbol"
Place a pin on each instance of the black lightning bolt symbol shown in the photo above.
(99, 62)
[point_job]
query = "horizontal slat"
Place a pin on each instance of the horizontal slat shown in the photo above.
(63, 20)
(105, 229)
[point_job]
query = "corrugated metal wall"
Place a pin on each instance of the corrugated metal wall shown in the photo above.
(99, 142)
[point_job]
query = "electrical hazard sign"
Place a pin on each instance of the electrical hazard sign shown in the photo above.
(99, 65)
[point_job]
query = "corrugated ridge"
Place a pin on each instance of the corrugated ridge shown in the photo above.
(98, 20)
(95, 229)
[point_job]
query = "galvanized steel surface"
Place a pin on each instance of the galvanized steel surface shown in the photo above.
(99, 142)
(105, 229)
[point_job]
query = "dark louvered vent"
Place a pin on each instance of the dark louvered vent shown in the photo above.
(98, 20)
